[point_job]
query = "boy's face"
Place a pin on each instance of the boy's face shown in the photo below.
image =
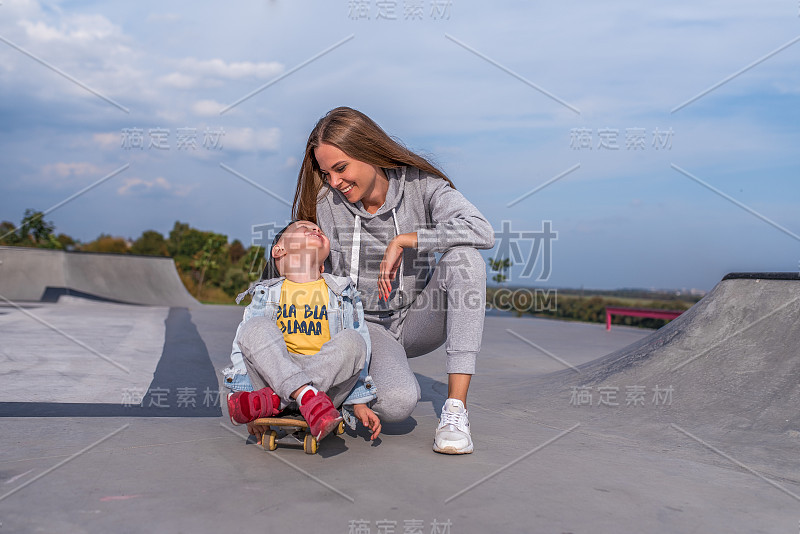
(302, 238)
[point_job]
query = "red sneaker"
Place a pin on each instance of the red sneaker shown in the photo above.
(320, 414)
(244, 406)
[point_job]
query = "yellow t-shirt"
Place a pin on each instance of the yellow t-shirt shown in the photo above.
(303, 316)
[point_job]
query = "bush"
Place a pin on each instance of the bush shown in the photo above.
(107, 243)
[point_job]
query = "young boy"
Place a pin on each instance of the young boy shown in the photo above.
(303, 339)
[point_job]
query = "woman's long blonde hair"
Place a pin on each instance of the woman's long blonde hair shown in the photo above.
(360, 138)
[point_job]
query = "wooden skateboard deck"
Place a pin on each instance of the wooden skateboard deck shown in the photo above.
(295, 426)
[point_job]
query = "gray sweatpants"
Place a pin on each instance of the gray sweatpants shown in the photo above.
(449, 310)
(333, 370)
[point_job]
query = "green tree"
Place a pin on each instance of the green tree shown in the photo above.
(502, 267)
(253, 263)
(208, 259)
(8, 233)
(150, 243)
(176, 236)
(107, 243)
(236, 251)
(234, 281)
(33, 231)
(185, 240)
(35, 228)
(66, 242)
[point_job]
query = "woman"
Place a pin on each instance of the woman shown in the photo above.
(387, 211)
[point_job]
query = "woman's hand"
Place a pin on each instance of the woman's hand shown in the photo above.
(368, 418)
(391, 262)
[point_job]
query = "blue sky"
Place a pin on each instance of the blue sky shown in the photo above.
(625, 217)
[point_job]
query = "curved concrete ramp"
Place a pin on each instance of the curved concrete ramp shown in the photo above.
(734, 356)
(728, 369)
(38, 274)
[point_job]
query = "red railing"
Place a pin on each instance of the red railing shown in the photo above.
(640, 312)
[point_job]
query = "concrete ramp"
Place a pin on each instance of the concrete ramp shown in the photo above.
(727, 369)
(732, 360)
(541, 463)
(38, 274)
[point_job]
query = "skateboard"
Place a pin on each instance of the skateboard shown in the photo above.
(291, 425)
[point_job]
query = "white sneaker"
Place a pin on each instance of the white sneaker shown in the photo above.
(452, 434)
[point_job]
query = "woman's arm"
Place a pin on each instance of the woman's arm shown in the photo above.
(391, 261)
(456, 221)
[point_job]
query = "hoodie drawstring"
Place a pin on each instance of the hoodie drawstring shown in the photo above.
(400, 268)
(356, 251)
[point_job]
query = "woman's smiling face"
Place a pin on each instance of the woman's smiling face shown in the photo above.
(355, 179)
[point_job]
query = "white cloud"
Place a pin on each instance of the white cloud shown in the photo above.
(232, 71)
(158, 187)
(70, 170)
(192, 73)
(81, 28)
(171, 116)
(207, 108)
(178, 80)
(108, 140)
(89, 48)
(65, 174)
(248, 139)
(41, 31)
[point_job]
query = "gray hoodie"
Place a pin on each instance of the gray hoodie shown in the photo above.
(415, 202)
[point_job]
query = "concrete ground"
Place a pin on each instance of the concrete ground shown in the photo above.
(77, 453)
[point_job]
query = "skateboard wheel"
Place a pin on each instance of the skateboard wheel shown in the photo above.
(340, 428)
(310, 444)
(272, 436)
